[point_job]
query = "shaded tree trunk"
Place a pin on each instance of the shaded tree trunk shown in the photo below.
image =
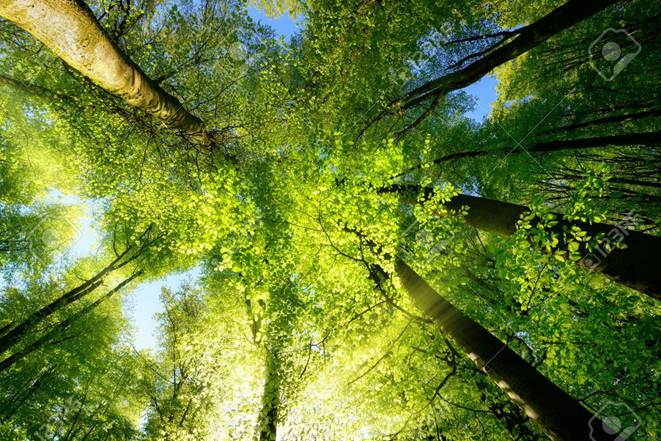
(635, 266)
(59, 329)
(71, 31)
(14, 404)
(629, 139)
(267, 420)
(11, 334)
(526, 38)
(607, 120)
(560, 416)
(564, 17)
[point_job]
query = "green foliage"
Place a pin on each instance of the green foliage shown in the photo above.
(298, 321)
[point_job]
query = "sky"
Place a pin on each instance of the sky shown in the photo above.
(484, 90)
(141, 304)
(283, 25)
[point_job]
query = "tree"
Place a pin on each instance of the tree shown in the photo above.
(357, 278)
(560, 416)
(520, 41)
(629, 265)
(72, 32)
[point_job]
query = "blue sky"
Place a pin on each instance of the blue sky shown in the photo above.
(143, 302)
(284, 25)
(485, 93)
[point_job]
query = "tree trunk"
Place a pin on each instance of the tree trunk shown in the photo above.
(12, 335)
(267, 420)
(59, 329)
(637, 139)
(564, 17)
(14, 403)
(607, 120)
(71, 31)
(635, 266)
(560, 416)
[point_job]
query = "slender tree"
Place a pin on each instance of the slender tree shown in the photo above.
(649, 139)
(12, 333)
(520, 41)
(57, 332)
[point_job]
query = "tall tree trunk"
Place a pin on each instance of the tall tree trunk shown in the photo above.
(71, 31)
(57, 330)
(11, 334)
(628, 139)
(564, 17)
(528, 37)
(635, 266)
(560, 416)
(267, 420)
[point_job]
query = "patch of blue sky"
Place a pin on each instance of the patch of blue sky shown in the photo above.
(284, 25)
(143, 303)
(87, 234)
(484, 92)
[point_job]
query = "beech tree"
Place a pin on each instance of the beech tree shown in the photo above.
(355, 254)
(71, 31)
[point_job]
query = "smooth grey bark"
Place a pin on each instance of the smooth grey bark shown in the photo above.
(70, 30)
(635, 266)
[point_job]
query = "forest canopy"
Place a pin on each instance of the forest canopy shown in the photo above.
(372, 261)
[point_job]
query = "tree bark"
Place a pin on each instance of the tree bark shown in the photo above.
(559, 415)
(71, 31)
(635, 266)
(564, 17)
(558, 145)
(267, 420)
